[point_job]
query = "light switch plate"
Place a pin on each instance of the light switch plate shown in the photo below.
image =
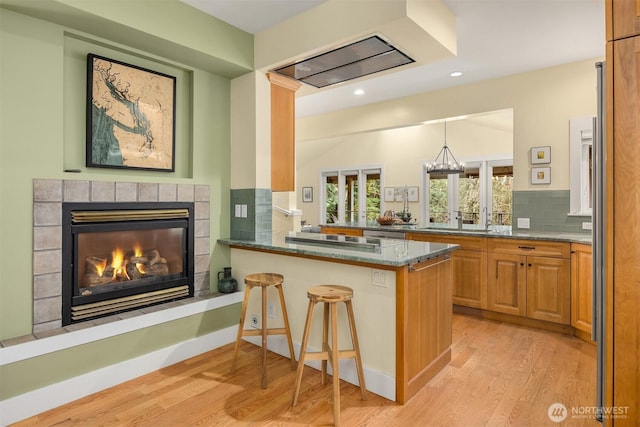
(523, 223)
(238, 209)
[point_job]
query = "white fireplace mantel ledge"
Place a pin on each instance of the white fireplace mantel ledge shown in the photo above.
(38, 347)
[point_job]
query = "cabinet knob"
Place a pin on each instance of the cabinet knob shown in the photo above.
(529, 264)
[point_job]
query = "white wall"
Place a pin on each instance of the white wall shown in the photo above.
(543, 101)
(403, 152)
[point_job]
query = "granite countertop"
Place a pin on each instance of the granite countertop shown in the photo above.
(372, 250)
(471, 230)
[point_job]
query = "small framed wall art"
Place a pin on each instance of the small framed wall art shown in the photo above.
(307, 194)
(389, 194)
(541, 155)
(541, 175)
(413, 194)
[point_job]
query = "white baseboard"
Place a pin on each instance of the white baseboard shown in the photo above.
(32, 403)
(376, 382)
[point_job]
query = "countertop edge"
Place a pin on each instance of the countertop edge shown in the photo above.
(250, 244)
(530, 235)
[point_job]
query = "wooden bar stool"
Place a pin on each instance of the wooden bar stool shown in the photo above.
(264, 280)
(330, 295)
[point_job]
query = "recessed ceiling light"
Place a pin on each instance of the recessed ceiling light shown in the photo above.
(358, 92)
(456, 74)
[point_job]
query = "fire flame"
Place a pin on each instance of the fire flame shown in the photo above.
(137, 250)
(100, 267)
(117, 262)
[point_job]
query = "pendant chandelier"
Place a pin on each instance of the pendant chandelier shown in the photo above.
(445, 162)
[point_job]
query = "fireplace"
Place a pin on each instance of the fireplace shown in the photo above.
(118, 257)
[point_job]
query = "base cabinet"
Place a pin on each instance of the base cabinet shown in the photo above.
(468, 264)
(581, 287)
(507, 284)
(522, 282)
(549, 289)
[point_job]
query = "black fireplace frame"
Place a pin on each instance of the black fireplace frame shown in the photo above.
(70, 231)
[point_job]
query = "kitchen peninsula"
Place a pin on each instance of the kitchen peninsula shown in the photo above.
(402, 300)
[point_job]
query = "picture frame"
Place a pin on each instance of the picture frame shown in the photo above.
(389, 194)
(130, 116)
(540, 155)
(307, 194)
(541, 175)
(413, 194)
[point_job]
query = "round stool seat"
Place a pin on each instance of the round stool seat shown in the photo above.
(330, 293)
(264, 279)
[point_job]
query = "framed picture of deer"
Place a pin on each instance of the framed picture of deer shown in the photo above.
(130, 116)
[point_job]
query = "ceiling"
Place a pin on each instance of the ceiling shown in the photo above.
(495, 38)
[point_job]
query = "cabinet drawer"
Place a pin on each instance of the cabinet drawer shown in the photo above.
(341, 230)
(465, 242)
(530, 247)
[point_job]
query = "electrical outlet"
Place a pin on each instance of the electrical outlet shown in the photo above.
(586, 226)
(255, 321)
(271, 310)
(523, 223)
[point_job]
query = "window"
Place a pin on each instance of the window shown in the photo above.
(342, 199)
(482, 194)
(501, 193)
(581, 158)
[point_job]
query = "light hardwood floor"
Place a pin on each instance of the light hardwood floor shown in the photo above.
(500, 374)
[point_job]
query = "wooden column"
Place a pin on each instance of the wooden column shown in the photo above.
(283, 154)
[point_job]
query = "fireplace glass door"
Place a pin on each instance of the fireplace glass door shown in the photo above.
(111, 260)
(125, 256)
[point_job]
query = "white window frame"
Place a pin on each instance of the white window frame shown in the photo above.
(580, 139)
(485, 166)
(362, 173)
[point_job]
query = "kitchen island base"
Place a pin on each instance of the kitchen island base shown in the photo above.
(403, 314)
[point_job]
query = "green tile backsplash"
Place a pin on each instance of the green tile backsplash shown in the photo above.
(547, 211)
(257, 224)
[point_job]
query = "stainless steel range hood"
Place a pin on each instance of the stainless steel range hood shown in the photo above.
(358, 59)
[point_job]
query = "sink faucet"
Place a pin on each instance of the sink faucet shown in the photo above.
(459, 218)
(487, 218)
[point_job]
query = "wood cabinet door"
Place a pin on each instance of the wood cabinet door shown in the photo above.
(469, 278)
(549, 289)
(283, 156)
(623, 289)
(507, 283)
(581, 287)
(624, 18)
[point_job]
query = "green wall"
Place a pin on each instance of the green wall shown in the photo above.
(42, 133)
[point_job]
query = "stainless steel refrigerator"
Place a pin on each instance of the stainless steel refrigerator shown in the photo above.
(598, 207)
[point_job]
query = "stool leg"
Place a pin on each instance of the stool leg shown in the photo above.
(325, 342)
(303, 352)
(335, 364)
(287, 328)
(243, 313)
(264, 337)
(356, 347)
